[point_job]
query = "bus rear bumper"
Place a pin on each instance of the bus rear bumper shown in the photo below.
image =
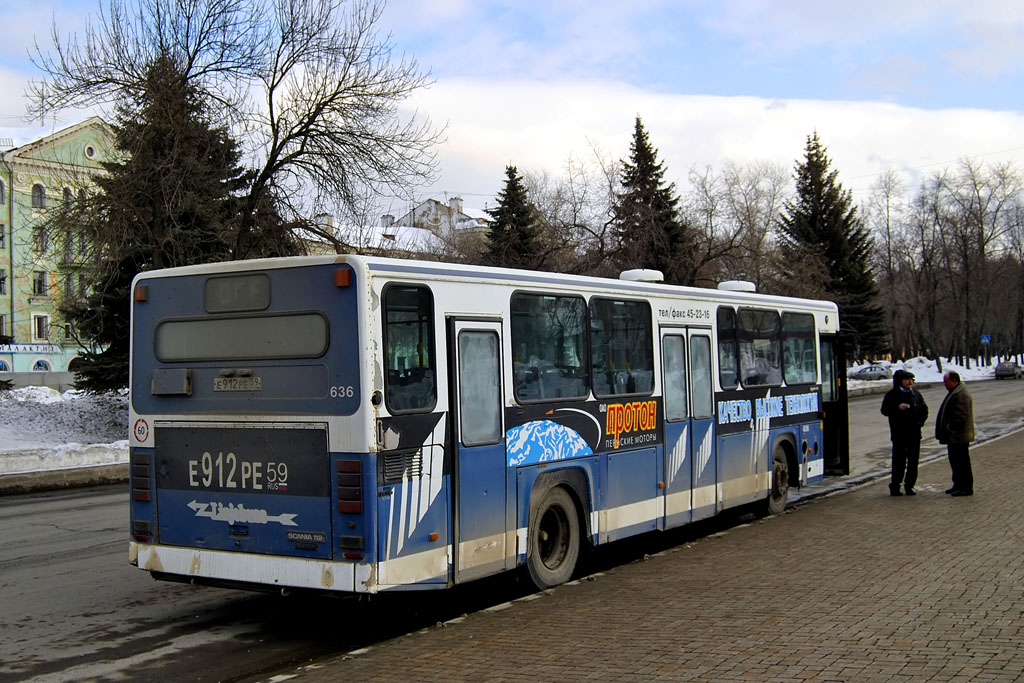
(267, 571)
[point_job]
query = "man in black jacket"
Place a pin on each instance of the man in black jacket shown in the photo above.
(907, 412)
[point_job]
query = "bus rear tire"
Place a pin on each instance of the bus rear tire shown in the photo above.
(778, 495)
(553, 545)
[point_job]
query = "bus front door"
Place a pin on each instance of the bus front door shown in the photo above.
(834, 407)
(478, 437)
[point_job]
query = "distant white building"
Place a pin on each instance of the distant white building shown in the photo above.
(431, 229)
(391, 238)
(444, 218)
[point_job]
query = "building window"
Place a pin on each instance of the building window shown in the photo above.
(4, 367)
(3, 281)
(38, 196)
(3, 193)
(41, 366)
(39, 238)
(81, 285)
(69, 286)
(40, 327)
(3, 235)
(39, 283)
(68, 197)
(3, 325)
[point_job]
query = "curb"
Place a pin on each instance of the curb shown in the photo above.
(55, 480)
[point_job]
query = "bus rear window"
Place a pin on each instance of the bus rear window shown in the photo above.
(301, 335)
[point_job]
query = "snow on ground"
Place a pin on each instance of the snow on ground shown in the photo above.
(42, 429)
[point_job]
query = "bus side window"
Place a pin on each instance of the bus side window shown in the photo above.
(549, 347)
(621, 342)
(728, 356)
(801, 365)
(760, 347)
(409, 382)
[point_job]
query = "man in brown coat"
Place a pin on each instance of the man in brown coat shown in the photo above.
(954, 426)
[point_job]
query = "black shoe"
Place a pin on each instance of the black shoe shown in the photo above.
(952, 490)
(963, 493)
(895, 491)
(911, 492)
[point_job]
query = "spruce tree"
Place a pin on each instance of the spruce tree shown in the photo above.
(170, 200)
(513, 235)
(821, 223)
(645, 216)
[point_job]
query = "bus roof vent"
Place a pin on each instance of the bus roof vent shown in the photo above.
(642, 275)
(737, 286)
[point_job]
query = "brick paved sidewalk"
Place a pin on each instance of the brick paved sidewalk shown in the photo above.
(856, 587)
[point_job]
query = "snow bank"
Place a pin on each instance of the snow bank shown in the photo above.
(42, 429)
(925, 370)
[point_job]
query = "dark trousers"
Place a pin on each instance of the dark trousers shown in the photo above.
(960, 464)
(905, 454)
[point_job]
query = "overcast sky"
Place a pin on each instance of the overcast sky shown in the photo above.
(907, 85)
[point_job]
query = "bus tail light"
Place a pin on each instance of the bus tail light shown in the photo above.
(350, 489)
(142, 531)
(140, 477)
(351, 547)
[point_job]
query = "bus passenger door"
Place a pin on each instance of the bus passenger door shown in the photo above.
(707, 499)
(678, 459)
(479, 442)
(691, 472)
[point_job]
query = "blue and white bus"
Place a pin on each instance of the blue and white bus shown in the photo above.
(362, 424)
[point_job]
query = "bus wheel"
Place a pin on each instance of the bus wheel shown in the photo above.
(554, 539)
(779, 493)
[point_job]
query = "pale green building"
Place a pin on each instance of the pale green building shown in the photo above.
(37, 268)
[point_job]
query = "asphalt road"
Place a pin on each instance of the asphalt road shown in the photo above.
(74, 609)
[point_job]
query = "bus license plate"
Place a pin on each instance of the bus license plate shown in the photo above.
(238, 384)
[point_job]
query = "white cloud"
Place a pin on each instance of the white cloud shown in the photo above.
(537, 126)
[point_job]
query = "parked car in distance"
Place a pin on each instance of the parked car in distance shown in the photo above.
(1009, 369)
(871, 373)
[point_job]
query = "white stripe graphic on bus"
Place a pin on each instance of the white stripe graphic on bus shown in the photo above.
(419, 495)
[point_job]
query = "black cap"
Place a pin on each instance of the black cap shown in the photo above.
(900, 375)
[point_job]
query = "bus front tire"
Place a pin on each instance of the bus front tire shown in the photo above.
(779, 493)
(553, 539)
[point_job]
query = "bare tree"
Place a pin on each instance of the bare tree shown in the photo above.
(883, 214)
(974, 210)
(308, 87)
(735, 211)
(576, 209)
